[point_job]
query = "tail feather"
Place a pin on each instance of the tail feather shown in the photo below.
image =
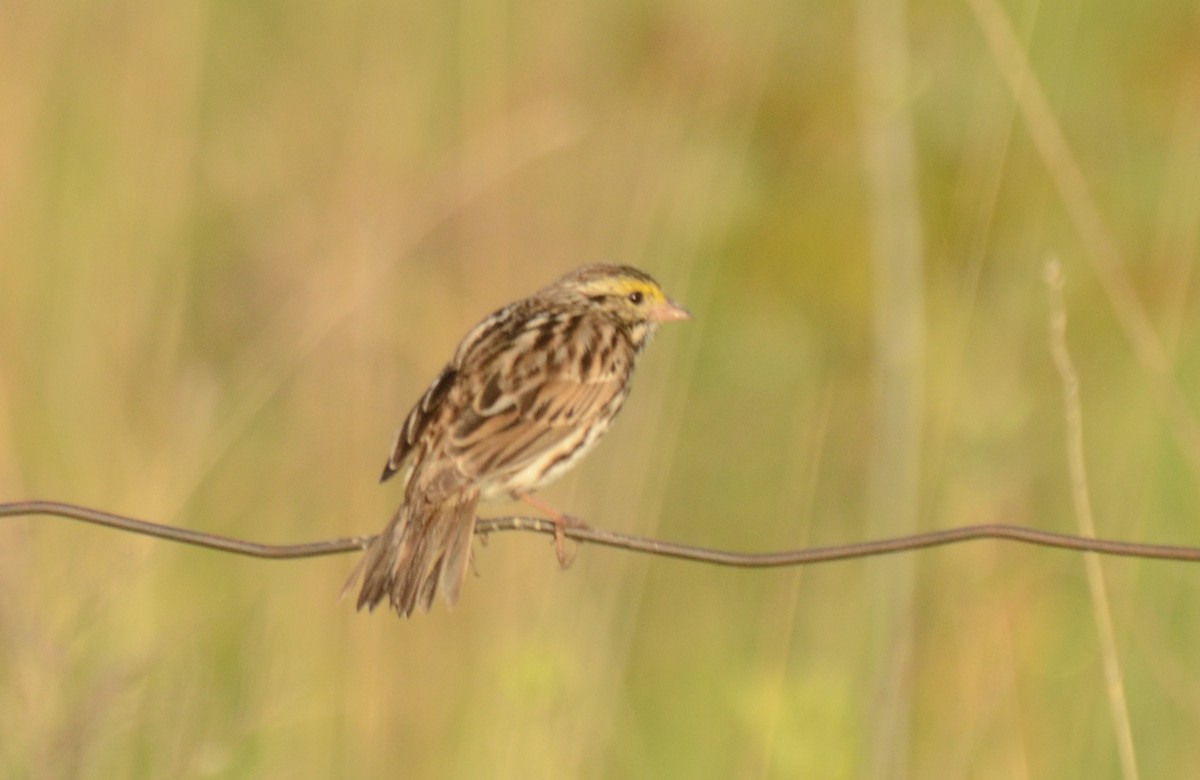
(424, 546)
(457, 558)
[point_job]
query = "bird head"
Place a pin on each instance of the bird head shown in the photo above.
(624, 293)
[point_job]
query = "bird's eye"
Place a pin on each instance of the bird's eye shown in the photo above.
(635, 296)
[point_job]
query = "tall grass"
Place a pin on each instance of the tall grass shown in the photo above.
(236, 241)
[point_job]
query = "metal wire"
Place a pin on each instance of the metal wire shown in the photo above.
(486, 526)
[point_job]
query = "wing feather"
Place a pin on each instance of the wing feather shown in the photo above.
(518, 389)
(519, 435)
(534, 402)
(418, 420)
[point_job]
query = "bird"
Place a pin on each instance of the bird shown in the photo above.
(528, 392)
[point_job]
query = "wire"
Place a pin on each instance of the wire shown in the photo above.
(587, 534)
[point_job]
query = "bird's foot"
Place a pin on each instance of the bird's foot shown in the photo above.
(561, 524)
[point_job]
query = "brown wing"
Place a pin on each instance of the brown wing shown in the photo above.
(418, 420)
(539, 394)
(529, 425)
(484, 342)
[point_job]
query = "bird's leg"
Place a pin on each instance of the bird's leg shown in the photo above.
(561, 523)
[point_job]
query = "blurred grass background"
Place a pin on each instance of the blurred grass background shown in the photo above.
(237, 239)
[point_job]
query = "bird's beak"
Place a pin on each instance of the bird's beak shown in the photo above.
(669, 311)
